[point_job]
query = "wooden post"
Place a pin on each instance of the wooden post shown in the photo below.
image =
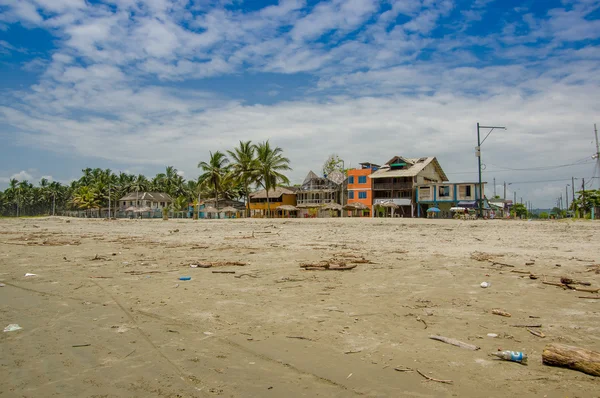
(571, 357)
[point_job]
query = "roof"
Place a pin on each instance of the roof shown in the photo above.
(415, 167)
(336, 177)
(310, 176)
(152, 196)
(273, 193)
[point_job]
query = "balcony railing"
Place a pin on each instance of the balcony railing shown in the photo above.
(392, 186)
(314, 201)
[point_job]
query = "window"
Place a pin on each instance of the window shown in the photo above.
(444, 192)
(351, 180)
(465, 191)
(350, 194)
(362, 179)
(362, 195)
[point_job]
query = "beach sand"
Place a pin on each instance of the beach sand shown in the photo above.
(279, 330)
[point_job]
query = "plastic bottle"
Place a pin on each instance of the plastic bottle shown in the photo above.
(514, 356)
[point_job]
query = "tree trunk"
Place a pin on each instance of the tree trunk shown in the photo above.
(571, 357)
(268, 204)
(217, 201)
(247, 201)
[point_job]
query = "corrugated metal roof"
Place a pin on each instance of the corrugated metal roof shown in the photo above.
(417, 165)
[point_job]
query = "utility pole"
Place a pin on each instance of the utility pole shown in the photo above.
(567, 195)
(494, 187)
(515, 201)
(504, 197)
(109, 201)
(53, 203)
(583, 196)
(597, 155)
(573, 188)
(478, 155)
(521, 200)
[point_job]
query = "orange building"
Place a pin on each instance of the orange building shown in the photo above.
(360, 189)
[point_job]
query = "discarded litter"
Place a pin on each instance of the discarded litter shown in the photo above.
(493, 335)
(193, 265)
(28, 274)
(208, 333)
(185, 278)
(513, 356)
(12, 327)
(2, 285)
(485, 284)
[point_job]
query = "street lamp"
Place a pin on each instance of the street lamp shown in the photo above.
(567, 195)
(478, 155)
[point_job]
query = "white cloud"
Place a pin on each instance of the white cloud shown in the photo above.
(106, 91)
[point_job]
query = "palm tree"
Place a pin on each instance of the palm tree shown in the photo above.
(86, 198)
(270, 164)
(245, 168)
(214, 172)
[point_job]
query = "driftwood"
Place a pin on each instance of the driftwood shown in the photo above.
(571, 357)
(250, 275)
(501, 313)
(455, 342)
(568, 281)
(223, 272)
(590, 297)
(536, 333)
(432, 379)
(527, 326)
(581, 289)
(323, 268)
(502, 264)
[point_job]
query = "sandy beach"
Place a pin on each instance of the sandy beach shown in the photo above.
(107, 316)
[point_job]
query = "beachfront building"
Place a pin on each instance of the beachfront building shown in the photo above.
(360, 186)
(316, 192)
(279, 196)
(395, 182)
(150, 200)
(224, 206)
(447, 195)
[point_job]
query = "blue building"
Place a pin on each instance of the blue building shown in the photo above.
(446, 195)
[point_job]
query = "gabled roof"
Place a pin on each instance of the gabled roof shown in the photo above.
(415, 166)
(336, 177)
(273, 193)
(152, 196)
(310, 176)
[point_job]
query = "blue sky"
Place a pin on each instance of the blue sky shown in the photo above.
(137, 85)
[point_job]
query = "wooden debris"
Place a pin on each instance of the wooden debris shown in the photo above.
(532, 276)
(581, 289)
(530, 263)
(526, 326)
(422, 320)
(329, 268)
(554, 284)
(589, 297)
(101, 277)
(568, 281)
(571, 357)
(81, 345)
(502, 264)
(536, 333)
(399, 369)
(455, 342)
(501, 313)
(250, 275)
(432, 379)
(223, 272)
(352, 352)
(520, 272)
(299, 338)
(142, 272)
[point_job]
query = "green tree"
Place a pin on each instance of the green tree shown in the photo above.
(333, 163)
(271, 163)
(245, 168)
(86, 198)
(214, 172)
(519, 210)
(544, 215)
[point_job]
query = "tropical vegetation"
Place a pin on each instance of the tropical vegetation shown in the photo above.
(248, 167)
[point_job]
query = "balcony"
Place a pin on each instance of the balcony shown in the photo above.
(314, 201)
(396, 186)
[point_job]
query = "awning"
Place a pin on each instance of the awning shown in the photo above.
(468, 204)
